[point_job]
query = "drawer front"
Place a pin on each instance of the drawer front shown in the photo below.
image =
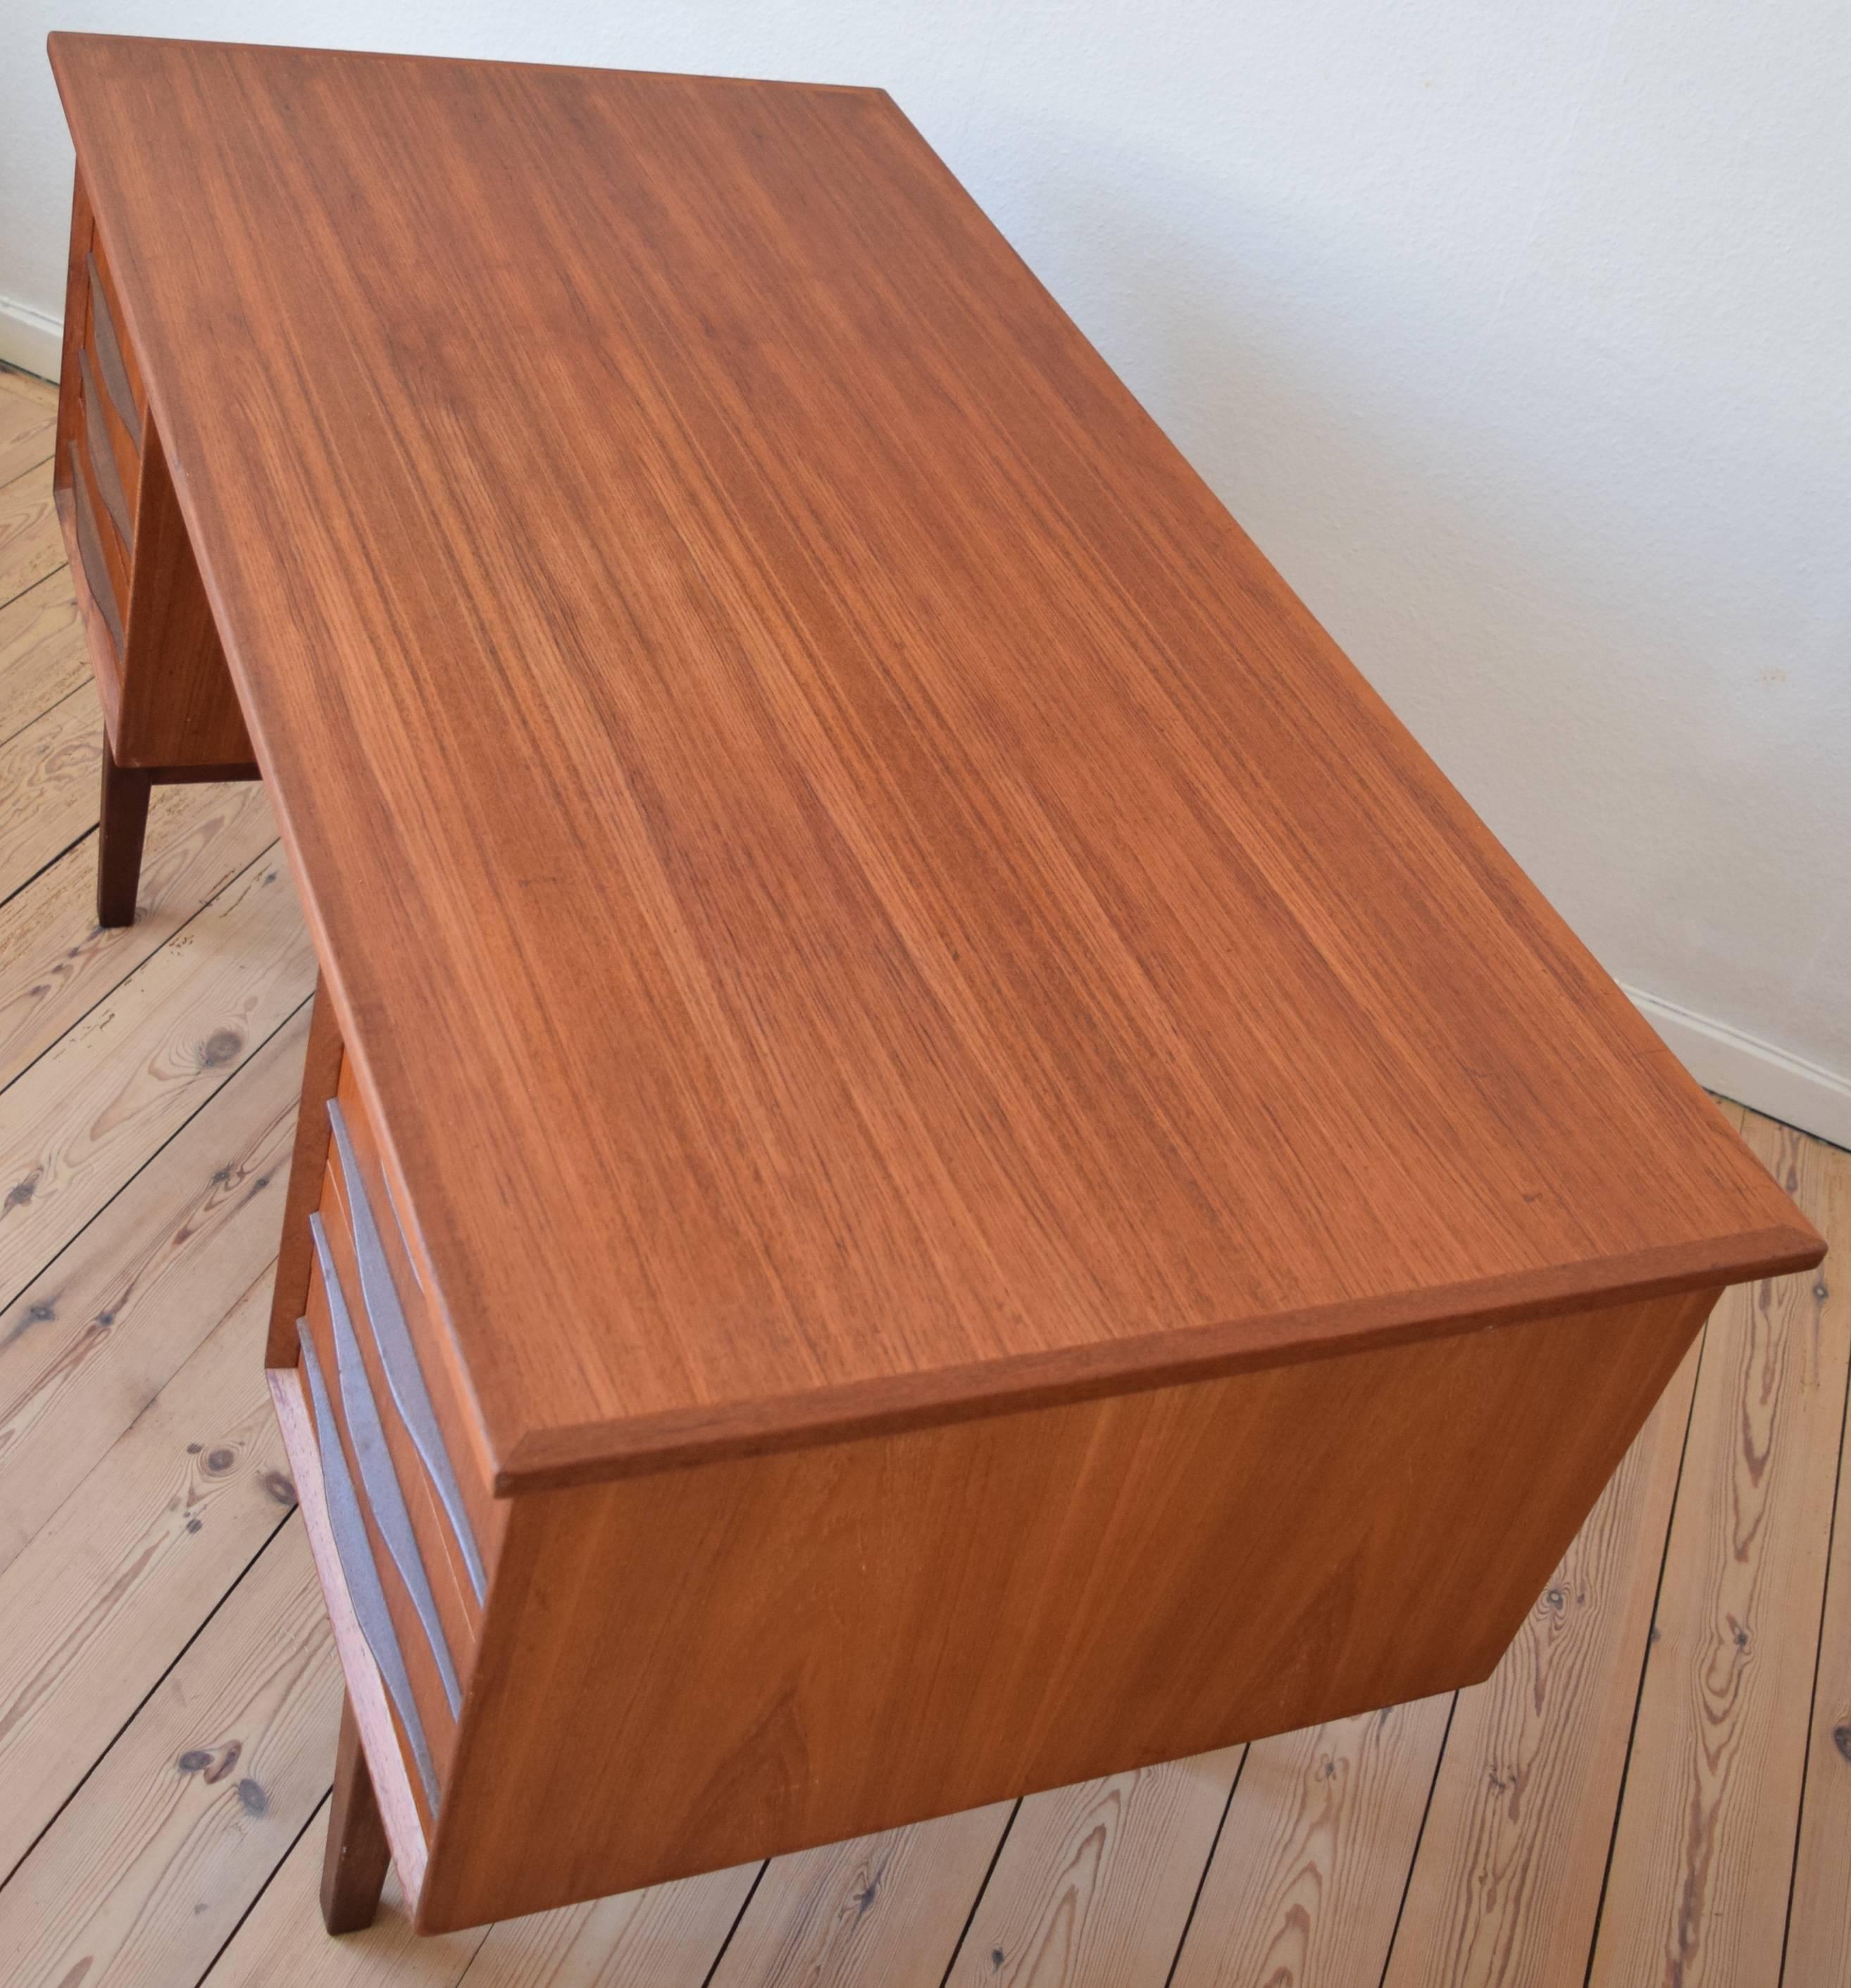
(98, 473)
(116, 481)
(453, 1595)
(108, 593)
(414, 1347)
(387, 1579)
(111, 414)
(382, 1474)
(121, 375)
(167, 695)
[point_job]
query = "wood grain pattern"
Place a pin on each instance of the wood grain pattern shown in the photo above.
(81, 1120)
(1095, 1884)
(1508, 1884)
(48, 788)
(1312, 1860)
(31, 543)
(666, 1938)
(15, 380)
(110, 1592)
(1703, 1855)
(887, 1907)
(147, 1870)
(283, 1939)
(1819, 1929)
(969, 833)
(92, 1340)
(669, 1936)
(41, 653)
(178, 707)
(28, 436)
(56, 962)
(1035, 1601)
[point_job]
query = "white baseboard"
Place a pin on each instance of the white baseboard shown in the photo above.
(1754, 1072)
(29, 340)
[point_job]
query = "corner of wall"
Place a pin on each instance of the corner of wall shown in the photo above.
(29, 340)
(1755, 1073)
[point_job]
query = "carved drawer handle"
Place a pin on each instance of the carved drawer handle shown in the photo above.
(404, 1377)
(377, 1477)
(103, 461)
(364, 1588)
(109, 356)
(90, 552)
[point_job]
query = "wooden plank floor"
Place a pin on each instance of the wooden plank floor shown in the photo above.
(1655, 1788)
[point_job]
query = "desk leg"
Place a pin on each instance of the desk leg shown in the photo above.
(121, 825)
(124, 822)
(353, 1866)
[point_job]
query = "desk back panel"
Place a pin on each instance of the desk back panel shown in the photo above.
(682, 1670)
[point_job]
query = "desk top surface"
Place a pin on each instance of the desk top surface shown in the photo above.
(855, 890)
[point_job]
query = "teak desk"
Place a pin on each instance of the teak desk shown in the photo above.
(935, 1159)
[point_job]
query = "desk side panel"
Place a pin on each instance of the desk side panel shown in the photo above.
(684, 1670)
(167, 696)
(178, 707)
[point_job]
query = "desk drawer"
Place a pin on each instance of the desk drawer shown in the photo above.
(423, 1651)
(421, 1454)
(109, 398)
(115, 356)
(102, 566)
(372, 1239)
(167, 698)
(98, 473)
(407, 1506)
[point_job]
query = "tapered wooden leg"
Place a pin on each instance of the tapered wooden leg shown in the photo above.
(353, 1866)
(122, 823)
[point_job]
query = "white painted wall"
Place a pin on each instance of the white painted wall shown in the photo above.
(1519, 335)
